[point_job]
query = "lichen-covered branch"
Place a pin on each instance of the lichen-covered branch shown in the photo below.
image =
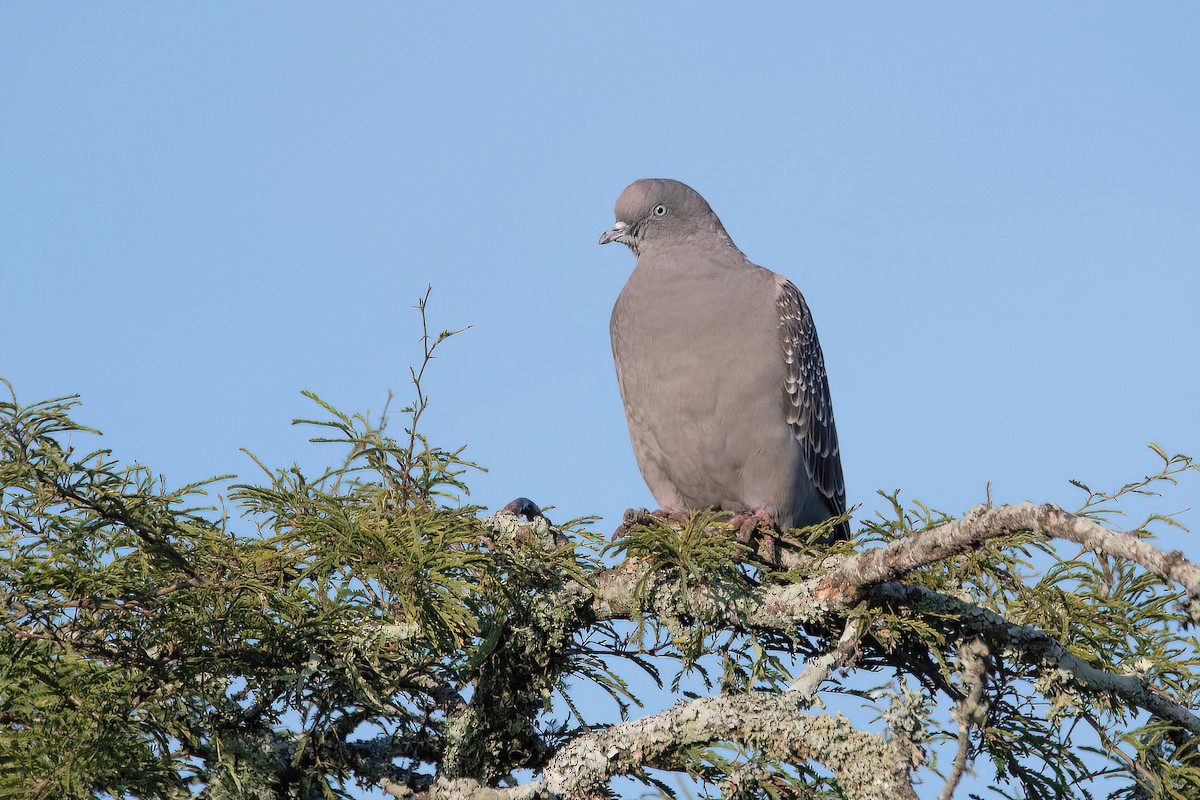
(820, 668)
(982, 524)
(866, 765)
(1038, 648)
(493, 734)
(973, 657)
(784, 607)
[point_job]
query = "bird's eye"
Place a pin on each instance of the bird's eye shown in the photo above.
(660, 210)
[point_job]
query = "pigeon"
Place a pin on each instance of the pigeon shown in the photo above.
(720, 370)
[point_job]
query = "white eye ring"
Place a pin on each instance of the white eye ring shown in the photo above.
(660, 210)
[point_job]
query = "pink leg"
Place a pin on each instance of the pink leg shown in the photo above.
(671, 515)
(636, 516)
(748, 524)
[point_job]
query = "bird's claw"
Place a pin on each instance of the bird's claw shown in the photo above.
(749, 524)
(671, 515)
(641, 516)
(522, 507)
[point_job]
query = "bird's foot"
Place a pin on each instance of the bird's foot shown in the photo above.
(671, 515)
(748, 524)
(642, 516)
(523, 507)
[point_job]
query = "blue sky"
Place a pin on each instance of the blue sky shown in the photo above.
(992, 209)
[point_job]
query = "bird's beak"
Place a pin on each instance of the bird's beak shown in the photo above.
(614, 233)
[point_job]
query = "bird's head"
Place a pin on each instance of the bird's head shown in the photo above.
(656, 210)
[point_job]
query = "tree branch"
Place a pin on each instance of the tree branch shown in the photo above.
(821, 667)
(982, 524)
(743, 606)
(1037, 648)
(866, 765)
(372, 761)
(974, 675)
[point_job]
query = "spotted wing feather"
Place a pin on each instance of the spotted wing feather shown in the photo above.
(810, 408)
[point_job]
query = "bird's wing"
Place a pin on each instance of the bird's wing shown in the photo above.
(810, 413)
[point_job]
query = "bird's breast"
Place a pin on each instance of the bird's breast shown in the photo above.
(699, 359)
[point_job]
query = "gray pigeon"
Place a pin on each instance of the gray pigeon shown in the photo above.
(720, 369)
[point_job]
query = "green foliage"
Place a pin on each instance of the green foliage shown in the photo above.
(692, 553)
(1111, 613)
(677, 559)
(365, 624)
(150, 648)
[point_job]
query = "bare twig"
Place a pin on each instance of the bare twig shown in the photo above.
(973, 655)
(820, 668)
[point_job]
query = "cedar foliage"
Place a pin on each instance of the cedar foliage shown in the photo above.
(303, 635)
